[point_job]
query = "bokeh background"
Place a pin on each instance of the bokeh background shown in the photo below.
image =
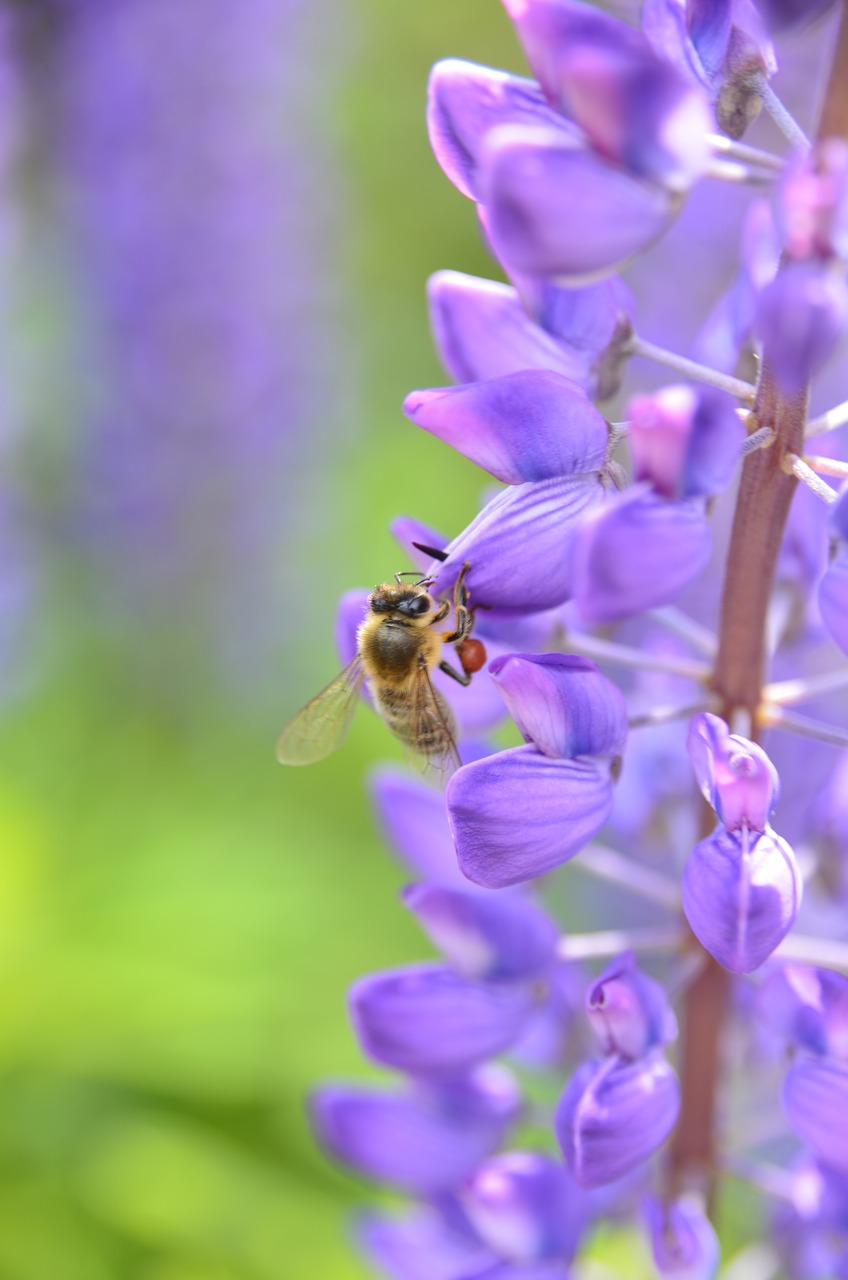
(216, 221)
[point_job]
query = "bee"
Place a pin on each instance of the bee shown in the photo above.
(397, 648)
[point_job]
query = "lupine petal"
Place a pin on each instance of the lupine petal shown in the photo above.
(613, 1116)
(735, 776)
(683, 1241)
(422, 1246)
(557, 209)
(686, 442)
(487, 937)
(808, 1007)
(520, 545)
(741, 893)
(782, 15)
(465, 101)
(427, 1020)
(481, 330)
(518, 814)
(636, 552)
(423, 1140)
(709, 25)
(636, 108)
(527, 426)
(415, 824)
(563, 704)
(629, 1012)
(526, 1207)
(813, 202)
(352, 608)
(800, 318)
(815, 1099)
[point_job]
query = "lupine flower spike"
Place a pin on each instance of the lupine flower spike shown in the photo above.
(617, 921)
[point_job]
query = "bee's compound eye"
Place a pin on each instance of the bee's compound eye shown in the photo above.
(420, 605)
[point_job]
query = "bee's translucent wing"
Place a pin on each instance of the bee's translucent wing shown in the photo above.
(432, 730)
(319, 727)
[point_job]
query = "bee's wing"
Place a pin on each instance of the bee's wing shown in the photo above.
(320, 726)
(432, 734)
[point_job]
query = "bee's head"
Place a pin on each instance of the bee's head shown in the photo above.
(412, 602)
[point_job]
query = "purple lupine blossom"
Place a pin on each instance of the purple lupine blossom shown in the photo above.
(198, 216)
(636, 576)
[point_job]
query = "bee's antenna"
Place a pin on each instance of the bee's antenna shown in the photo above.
(413, 573)
(432, 552)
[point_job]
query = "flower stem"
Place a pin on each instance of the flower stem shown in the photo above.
(637, 346)
(786, 123)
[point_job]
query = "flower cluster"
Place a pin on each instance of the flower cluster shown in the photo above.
(686, 525)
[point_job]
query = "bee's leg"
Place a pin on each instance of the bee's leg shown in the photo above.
(464, 613)
(460, 677)
(443, 612)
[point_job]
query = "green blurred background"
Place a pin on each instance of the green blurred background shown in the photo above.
(180, 917)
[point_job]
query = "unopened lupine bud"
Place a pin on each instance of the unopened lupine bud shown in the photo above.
(685, 441)
(526, 1207)
(813, 202)
(425, 1139)
(495, 938)
(735, 775)
(683, 1241)
(741, 891)
(613, 1116)
(636, 551)
(427, 1020)
(628, 1011)
(800, 318)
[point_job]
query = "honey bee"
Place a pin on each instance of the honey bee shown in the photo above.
(397, 648)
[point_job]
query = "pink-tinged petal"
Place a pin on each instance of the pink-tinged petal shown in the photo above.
(491, 937)
(560, 210)
(812, 202)
(833, 598)
(636, 108)
(685, 442)
(628, 1011)
(518, 814)
(808, 1007)
(562, 704)
(741, 892)
(635, 552)
(422, 1245)
(415, 824)
(735, 776)
(426, 1020)
(683, 1240)
(465, 101)
(815, 1099)
(423, 1140)
(527, 426)
(613, 1116)
(520, 545)
(481, 330)
(526, 1207)
(800, 319)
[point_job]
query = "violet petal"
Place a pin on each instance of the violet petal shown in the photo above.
(559, 210)
(421, 1245)
(415, 825)
(427, 1020)
(683, 1240)
(685, 441)
(527, 426)
(833, 598)
(741, 892)
(518, 814)
(807, 1007)
(635, 552)
(735, 776)
(563, 704)
(489, 937)
(465, 101)
(614, 1114)
(800, 318)
(815, 1099)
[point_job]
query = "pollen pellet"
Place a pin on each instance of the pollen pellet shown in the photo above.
(472, 655)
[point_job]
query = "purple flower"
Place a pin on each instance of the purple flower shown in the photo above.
(523, 811)
(685, 442)
(526, 1207)
(424, 1245)
(800, 318)
(493, 938)
(833, 587)
(808, 1008)
(427, 1020)
(613, 1116)
(815, 1098)
(424, 1139)
(736, 776)
(683, 1241)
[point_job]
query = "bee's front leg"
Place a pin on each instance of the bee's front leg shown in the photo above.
(464, 614)
(462, 678)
